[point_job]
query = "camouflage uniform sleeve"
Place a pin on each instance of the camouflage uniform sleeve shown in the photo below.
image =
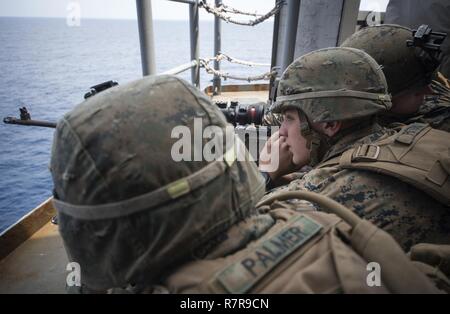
(436, 111)
(436, 114)
(409, 215)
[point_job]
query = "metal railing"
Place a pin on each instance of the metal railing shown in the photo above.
(145, 23)
(183, 67)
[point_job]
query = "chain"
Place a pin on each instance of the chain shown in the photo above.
(225, 8)
(222, 56)
(205, 64)
(221, 11)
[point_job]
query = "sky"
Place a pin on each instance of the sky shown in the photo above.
(126, 9)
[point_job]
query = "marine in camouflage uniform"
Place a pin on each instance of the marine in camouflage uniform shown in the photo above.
(137, 221)
(408, 71)
(346, 84)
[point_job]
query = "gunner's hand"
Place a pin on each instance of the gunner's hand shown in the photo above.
(276, 158)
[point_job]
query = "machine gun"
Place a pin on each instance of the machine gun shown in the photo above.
(25, 116)
(246, 115)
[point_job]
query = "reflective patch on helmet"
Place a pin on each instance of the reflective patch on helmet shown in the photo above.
(178, 188)
(328, 63)
(240, 276)
(230, 156)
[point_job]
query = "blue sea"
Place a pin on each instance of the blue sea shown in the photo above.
(48, 66)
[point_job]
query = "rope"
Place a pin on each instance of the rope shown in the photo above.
(225, 8)
(210, 70)
(221, 56)
(221, 11)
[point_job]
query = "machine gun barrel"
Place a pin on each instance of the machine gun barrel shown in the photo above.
(25, 119)
(45, 124)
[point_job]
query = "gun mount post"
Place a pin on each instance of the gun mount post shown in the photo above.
(193, 25)
(145, 23)
(217, 48)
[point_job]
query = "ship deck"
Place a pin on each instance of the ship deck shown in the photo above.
(37, 266)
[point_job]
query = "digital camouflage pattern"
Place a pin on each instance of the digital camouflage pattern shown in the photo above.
(334, 69)
(116, 147)
(387, 45)
(406, 213)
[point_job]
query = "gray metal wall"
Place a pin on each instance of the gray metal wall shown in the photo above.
(318, 25)
(321, 24)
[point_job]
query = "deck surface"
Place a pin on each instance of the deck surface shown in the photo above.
(37, 266)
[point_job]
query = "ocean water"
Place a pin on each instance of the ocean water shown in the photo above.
(48, 66)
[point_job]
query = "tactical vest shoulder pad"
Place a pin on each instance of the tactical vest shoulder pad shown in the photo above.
(418, 155)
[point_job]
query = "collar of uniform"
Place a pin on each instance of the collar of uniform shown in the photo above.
(356, 136)
(434, 114)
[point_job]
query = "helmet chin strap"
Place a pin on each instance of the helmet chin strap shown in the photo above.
(317, 144)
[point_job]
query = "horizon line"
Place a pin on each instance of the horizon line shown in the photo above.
(110, 19)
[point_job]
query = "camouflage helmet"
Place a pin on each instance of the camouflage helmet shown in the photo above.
(128, 210)
(403, 66)
(333, 84)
